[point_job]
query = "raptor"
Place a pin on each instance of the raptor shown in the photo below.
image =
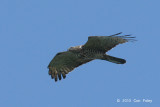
(95, 48)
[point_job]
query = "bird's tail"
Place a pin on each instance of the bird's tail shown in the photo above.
(114, 59)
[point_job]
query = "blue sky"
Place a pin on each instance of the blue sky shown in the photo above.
(33, 31)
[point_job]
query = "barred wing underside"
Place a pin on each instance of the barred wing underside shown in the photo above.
(105, 43)
(63, 63)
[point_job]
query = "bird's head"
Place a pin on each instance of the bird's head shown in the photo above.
(75, 48)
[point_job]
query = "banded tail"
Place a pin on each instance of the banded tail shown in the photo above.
(114, 59)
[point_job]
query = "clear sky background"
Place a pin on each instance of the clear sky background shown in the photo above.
(33, 31)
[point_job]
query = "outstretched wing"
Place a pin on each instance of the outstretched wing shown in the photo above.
(63, 63)
(105, 43)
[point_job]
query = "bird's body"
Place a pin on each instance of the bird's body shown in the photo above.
(95, 48)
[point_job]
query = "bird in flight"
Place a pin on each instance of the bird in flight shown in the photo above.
(95, 48)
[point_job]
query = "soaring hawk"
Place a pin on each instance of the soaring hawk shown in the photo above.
(95, 48)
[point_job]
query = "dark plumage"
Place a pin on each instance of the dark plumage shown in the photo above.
(95, 48)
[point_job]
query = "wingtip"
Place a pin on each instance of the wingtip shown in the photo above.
(58, 74)
(128, 38)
